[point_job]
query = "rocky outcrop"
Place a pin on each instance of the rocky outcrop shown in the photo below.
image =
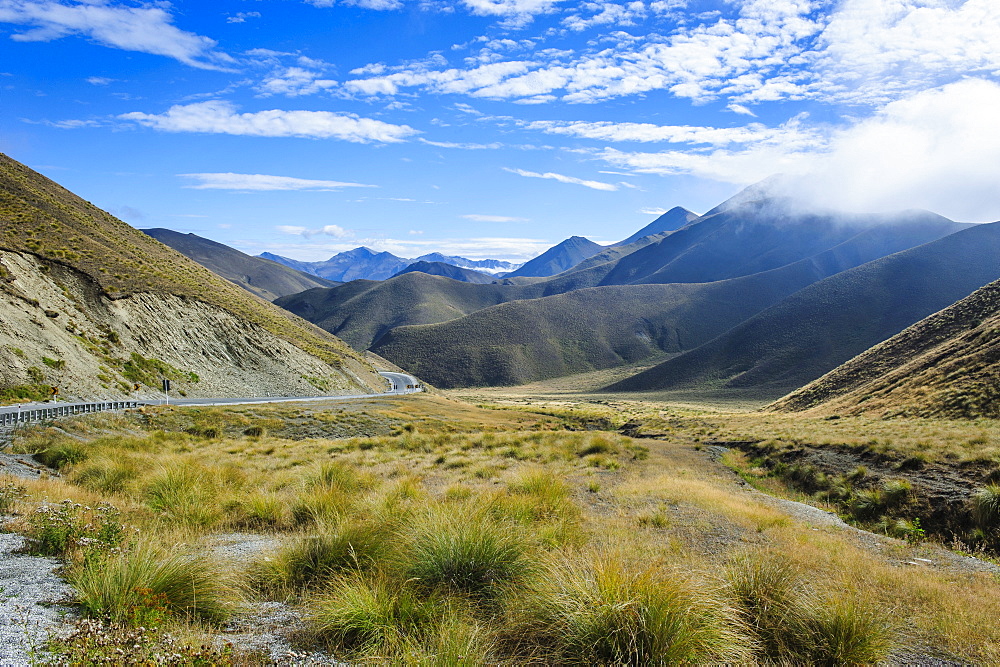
(58, 328)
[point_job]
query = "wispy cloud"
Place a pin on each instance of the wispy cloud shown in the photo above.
(467, 146)
(333, 231)
(148, 28)
(475, 217)
(652, 211)
(593, 185)
(262, 182)
(220, 117)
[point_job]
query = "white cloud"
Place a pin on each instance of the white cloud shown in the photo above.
(880, 50)
(259, 182)
(294, 82)
(652, 211)
(605, 13)
(380, 5)
(333, 231)
(241, 17)
(475, 217)
(750, 52)
(220, 117)
(99, 80)
(467, 146)
(510, 7)
(593, 185)
(938, 149)
(792, 131)
(147, 29)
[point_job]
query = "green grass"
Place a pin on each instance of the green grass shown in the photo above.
(312, 560)
(609, 612)
(145, 585)
(466, 552)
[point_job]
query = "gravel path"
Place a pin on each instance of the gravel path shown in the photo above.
(30, 596)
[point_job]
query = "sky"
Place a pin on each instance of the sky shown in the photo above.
(496, 128)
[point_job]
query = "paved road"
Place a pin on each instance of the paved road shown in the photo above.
(399, 383)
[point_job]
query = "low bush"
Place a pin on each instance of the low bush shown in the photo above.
(74, 531)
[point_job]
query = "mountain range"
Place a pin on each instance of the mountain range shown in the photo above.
(670, 293)
(365, 264)
(263, 277)
(893, 314)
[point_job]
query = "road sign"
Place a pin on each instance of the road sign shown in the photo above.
(54, 391)
(166, 385)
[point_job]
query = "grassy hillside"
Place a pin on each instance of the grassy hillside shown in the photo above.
(42, 218)
(946, 365)
(531, 339)
(263, 277)
(361, 311)
(825, 324)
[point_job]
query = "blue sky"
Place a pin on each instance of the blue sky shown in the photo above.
(496, 128)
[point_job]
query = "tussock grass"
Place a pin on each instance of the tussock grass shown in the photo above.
(609, 612)
(367, 615)
(143, 585)
(510, 560)
(467, 552)
(312, 560)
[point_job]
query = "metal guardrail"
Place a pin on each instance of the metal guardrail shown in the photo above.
(23, 416)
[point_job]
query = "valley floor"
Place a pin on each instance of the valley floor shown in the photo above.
(613, 528)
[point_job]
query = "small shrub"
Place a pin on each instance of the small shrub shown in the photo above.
(182, 494)
(10, 494)
(255, 432)
(95, 642)
(69, 530)
(849, 633)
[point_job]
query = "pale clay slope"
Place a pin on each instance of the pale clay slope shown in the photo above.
(230, 356)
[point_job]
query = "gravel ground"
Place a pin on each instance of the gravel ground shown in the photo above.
(30, 602)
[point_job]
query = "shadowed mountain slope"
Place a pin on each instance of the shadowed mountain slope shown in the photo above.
(361, 311)
(263, 277)
(531, 339)
(946, 365)
(763, 234)
(673, 219)
(449, 271)
(558, 258)
(114, 277)
(827, 323)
